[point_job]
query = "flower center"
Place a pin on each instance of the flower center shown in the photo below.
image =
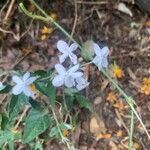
(34, 90)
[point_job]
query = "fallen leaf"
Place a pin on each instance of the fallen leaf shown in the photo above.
(97, 100)
(97, 125)
(119, 133)
(123, 8)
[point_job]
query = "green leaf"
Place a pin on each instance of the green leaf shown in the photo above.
(9, 136)
(70, 91)
(0, 121)
(69, 101)
(42, 87)
(65, 126)
(54, 133)
(36, 105)
(38, 146)
(11, 144)
(45, 75)
(83, 102)
(40, 73)
(52, 94)
(49, 90)
(17, 103)
(5, 136)
(6, 89)
(5, 121)
(36, 123)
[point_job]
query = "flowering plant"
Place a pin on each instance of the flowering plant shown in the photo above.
(42, 118)
(70, 78)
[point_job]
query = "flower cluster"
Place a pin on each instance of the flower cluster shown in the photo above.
(71, 77)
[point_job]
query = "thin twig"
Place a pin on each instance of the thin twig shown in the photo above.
(4, 6)
(21, 117)
(22, 58)
(17, 37)
(9, 10)
(92, 3)
(10, 32)
(75, 20)
(120, 118)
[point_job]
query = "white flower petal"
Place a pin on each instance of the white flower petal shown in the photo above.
(27, 91)
(58, 80)
(105, 51)
(80, 80)
(96, 60)
(69, 81)
(62, 46)
(81, 86)
(73, 69)
(26, 76)
(73, 47)
(97, 49)
(99, 65)
(30, 80)
(17, 80)
(17, 89)
(60, 69)
(81, 83)
(77, 74)
(73, 58)
(105, 62)
(63, 57)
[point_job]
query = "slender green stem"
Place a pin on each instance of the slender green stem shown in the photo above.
(131, 131)
(30, 14)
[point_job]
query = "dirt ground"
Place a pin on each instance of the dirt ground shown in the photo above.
(23, 46)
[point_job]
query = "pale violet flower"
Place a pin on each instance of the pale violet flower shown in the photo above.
(81, 83)
(2, 86)
(100, 59)
(23, 85)
(66, 77)
(67, 51)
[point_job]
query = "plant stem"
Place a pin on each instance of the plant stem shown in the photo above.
(64, 139)
(131, 131)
